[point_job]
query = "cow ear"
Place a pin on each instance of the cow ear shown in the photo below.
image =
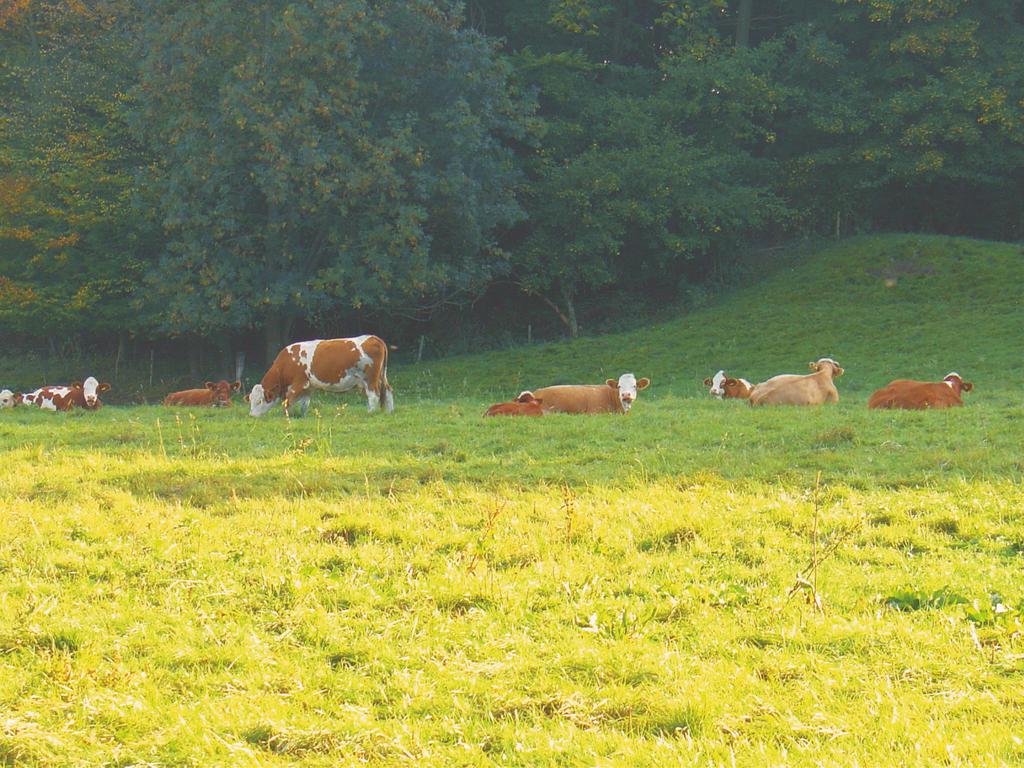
(967, 386)
(813, 366)
(612, 383)
(643, 384)
(246, 397)
(236, 386)
(707, 382)
(76, 385)
(210, 385)
(102, 388)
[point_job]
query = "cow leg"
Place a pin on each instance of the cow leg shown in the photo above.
(372, 399)
(389, 400)
(297, 398)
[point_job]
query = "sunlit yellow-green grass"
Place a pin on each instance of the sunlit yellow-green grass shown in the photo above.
(195, 587)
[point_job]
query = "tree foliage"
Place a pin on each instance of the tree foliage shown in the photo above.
(211, 168)
(322, 155)
(69, 233)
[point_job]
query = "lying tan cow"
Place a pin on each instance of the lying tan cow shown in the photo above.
(212, 395)
(792, 389)
(332, 365)
(726, 387)
(921, 395)
(524, 405)
(611, 397)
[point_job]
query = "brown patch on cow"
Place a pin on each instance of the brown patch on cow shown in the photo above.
(333, 358)
(581, 398)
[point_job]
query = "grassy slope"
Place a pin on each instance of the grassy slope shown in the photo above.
(961, 311)
(203, 588)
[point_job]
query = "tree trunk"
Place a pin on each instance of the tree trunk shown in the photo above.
(277, 333)
(746, 10)
(570, 313)
(194, 362)
(119, 355)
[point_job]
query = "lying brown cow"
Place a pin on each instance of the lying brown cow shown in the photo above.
(726, 387)
(920, 395)
(524, 405)
(792, 389)
(214, 395)
(332, 365)
(611, 397)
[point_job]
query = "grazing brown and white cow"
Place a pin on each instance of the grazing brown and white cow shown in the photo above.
(79, 395)
(332, 365)
(524, 405)
(726, 387)
(611, 397)
(213, 395)
(7, 399)
(793, 389)
(920, 395)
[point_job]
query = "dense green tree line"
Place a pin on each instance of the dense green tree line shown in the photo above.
(227, 170)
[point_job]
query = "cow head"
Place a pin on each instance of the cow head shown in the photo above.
(222, 392)
(715, 384)
(827, 363)
(6, 399)
(91, 390)
(957, 383)
(627, 387)
(526, 397)
(260, 401)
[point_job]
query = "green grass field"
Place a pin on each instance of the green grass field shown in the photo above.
(431, 588)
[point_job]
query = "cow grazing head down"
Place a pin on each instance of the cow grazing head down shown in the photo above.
(91, 390)
(6, 399)
(627, 386)
(827, 363)
(222, 392)
(260, 402)
(956, 382)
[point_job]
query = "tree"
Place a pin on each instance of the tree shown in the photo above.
(69, 238)
(322, 157)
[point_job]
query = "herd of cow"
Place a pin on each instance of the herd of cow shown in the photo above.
(340, 365)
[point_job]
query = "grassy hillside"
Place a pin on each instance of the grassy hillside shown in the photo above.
(904, 306)
(431, 588)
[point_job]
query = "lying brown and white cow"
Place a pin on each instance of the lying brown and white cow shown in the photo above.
(611, 397)
(79, 395)
(919, 395)
(726, 387)
(524, 405)
(213, 395)
(793, 389)
(331, 365)
(7, 399)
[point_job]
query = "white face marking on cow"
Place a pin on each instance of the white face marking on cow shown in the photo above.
(89, 391)
(257, 404)
(746, 383)
(953, 375)
(627, 390)
(6, 399)
(716, 384)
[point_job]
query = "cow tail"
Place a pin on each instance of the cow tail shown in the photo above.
(384, 391)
